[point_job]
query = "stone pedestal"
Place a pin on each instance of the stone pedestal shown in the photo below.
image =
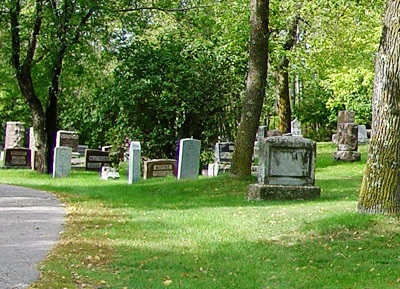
(286, 170)
(346, 138)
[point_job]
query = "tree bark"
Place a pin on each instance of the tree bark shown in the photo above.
(380, 188)
(282, 77)
(255, 89)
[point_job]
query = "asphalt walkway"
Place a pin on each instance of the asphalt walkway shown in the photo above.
(30, 224)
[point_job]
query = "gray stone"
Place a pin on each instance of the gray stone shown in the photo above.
(96, 159)
(14, 135)
(346, 138)
(62, 162)
(362, 134)
(223, 152)
(17, 158)
(259, 192)
(286, 164)
(189, 158)
(135, 158)
(296, 128)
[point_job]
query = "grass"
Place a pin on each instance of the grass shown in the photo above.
(204, 234)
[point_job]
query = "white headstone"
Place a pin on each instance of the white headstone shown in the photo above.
(189, 158)
(296, 128)
(62, 162)
(134, 162)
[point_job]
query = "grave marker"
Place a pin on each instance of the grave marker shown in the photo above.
(286, 169)
(67, 139)
(96, 159)
(14, 135)
(189, 158)
(159, 168)
(134, 161)
(62, 162)
(17, 158)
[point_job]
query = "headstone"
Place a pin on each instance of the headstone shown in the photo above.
(189, 158)
(96, 159)
(106, 148)
(346, 138)
(159, 168)
(224, 151)
(67, 139)
(134, 161)
(82, 149)
(296, 128)
(109, 173)
(14, 135)
(17, 158)
(286, 169)
(362, 134)
(62, 162)
(32, 147)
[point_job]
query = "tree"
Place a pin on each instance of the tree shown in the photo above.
(43, 35)
(255, 88)
(380, 188)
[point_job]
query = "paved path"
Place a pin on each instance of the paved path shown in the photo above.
(30, 223)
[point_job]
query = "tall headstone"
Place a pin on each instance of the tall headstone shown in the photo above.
(134, 161)
(67, 139)
(189, 158)
(32, 146)
(14, 135)
(286, 169)
(62, 162)
(346, 138)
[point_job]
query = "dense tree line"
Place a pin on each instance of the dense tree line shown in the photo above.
(164, 70)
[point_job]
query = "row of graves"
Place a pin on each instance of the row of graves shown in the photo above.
(285, 163)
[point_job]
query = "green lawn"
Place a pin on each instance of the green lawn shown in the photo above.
(204, 234)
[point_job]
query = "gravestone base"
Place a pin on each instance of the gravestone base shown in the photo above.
(347, 156)
(259, 192)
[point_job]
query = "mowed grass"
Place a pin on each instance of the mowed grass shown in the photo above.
(204, 233)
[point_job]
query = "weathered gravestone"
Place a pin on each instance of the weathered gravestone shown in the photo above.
(134, 161)
(296, 128)
(346, 138)
(286, 169)
(14, 135)
(223, 152)
(159, 168)
(62, 162)
(67, 139)
(17, 158)
(96, 159)
(362, 134)
(189, 158)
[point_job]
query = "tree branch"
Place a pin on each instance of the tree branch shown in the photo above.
(35, 33)
(166, 10)
(15, 37)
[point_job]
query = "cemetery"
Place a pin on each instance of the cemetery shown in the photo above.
(200, 144)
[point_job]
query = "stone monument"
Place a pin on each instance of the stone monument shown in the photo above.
(134, 161)
(159, 168)
(14, 135)
(286, 169)
(62, 162)
(346, 138)
(189, 158)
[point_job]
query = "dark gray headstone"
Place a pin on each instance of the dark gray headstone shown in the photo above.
(96, 159)
(17, 158)
(68, 139)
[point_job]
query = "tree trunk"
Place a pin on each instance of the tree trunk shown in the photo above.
(284, 105)
(255, 89)
(380, 189)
